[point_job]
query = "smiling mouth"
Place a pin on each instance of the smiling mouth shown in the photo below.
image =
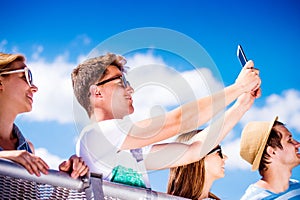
(30, 98)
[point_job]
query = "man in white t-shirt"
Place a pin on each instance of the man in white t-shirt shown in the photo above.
(123, 150)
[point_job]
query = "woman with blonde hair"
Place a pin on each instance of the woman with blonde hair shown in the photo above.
(16, 96)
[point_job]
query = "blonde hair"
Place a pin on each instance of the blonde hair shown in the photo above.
(188, 180)
(90, 71)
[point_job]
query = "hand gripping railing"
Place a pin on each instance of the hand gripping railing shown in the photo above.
(17, 183)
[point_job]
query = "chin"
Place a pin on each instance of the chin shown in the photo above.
(131, 110)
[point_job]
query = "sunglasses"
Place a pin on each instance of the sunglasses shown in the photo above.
(123, 79)
(217, 149)
(27, 72)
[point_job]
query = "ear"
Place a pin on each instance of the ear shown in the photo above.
(271, 151)
(94, 91)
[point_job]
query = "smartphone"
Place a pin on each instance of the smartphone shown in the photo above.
(241, 55)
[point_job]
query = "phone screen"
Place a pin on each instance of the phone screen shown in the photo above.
(241, 55)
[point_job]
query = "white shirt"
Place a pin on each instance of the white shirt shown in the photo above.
(99, 146)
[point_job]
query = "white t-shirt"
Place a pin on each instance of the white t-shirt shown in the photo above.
(99, 146)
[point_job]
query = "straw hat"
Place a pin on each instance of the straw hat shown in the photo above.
(5, 59)
(253, 141)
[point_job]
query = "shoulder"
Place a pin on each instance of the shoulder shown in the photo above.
(254, 192)
(105, 134)
(31, 146)
(294, 183)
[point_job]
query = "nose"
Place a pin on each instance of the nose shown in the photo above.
(296, 143)
(225, 157)
(34, 88)
(129, 89)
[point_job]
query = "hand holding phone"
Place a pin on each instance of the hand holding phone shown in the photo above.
(243, 60)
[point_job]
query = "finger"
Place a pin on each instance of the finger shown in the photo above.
(249, 64)
(255, 70)
(76, 166)
(32, 164)
(42, 167)
(27, 165)
(258, 84)
(258, 93)
(45, 165)
(64, 166)
(84, 171)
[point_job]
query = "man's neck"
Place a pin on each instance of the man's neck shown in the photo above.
(275, 180)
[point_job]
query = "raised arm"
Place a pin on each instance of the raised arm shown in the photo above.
(191, 115)
(176, 154)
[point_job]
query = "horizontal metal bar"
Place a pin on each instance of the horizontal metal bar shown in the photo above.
(120, 191)
(55, 178)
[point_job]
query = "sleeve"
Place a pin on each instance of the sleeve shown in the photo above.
(99, 144)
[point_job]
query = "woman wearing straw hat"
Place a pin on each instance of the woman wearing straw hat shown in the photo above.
(16, 96)
(270, 148)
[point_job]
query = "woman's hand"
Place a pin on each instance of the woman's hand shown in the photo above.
(33, 164)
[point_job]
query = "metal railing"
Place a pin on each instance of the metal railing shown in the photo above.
(17, 183)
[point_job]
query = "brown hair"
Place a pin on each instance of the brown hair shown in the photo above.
(188, 180)
(274, 141)
(88, 72)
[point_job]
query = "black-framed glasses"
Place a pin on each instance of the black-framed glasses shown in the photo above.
(122, 77)
(217, 149)
(27, 72)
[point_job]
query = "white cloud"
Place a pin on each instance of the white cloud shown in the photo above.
(285, 105)
(52, 160)
(54, 100)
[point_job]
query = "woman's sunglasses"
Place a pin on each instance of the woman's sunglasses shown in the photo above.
(217, 149)
(27, 72)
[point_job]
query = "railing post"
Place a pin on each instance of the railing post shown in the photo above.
(95, 191)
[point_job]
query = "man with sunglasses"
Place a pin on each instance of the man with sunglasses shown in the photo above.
(122, 150)
(16, 96)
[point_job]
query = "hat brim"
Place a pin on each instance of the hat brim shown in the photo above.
(258, 156)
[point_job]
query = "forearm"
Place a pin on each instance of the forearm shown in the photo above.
(163, 156)
(198, 113)
(181, 120)
(225, 123)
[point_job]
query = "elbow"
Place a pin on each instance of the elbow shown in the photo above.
(194, 153)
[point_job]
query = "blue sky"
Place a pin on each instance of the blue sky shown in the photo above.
(56, 35)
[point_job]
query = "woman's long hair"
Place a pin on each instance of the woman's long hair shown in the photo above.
(188, 180)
